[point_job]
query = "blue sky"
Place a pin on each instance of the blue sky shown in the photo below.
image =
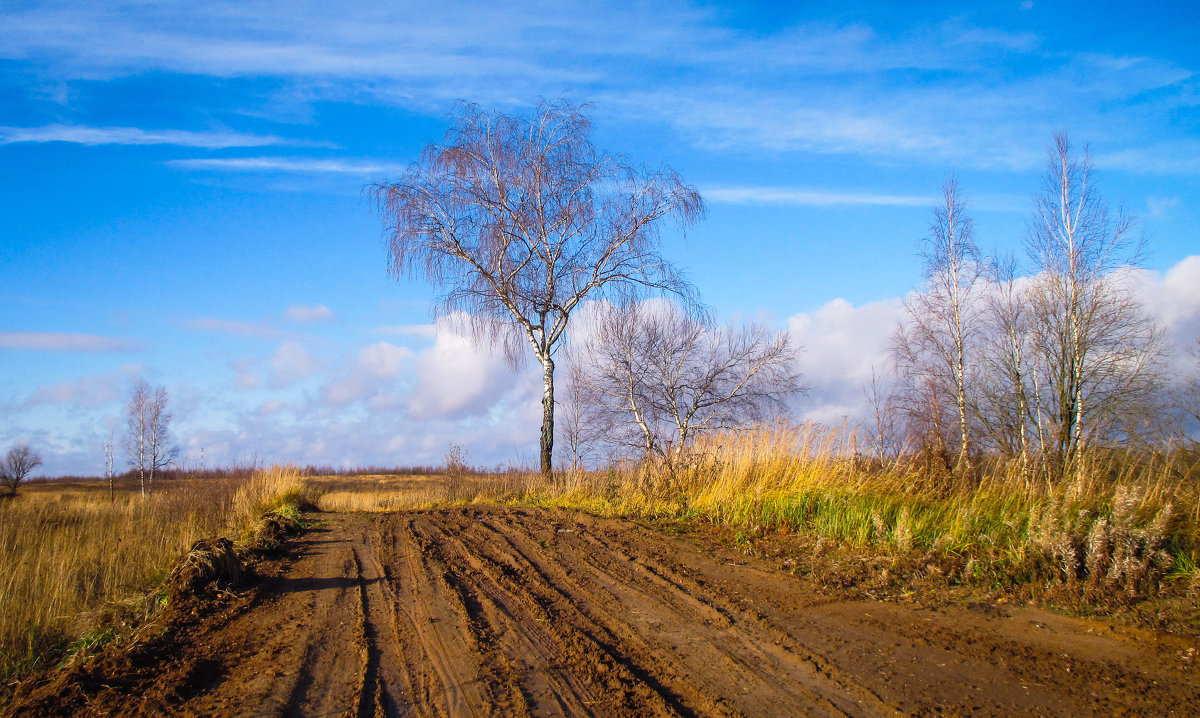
(182, 191)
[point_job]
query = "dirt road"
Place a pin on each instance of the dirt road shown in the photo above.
(503, 611)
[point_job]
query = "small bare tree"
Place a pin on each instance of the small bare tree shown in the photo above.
(666, 376)
(1005, 399)
(1097, 351)
(879, 395)
(522, 218)
(581, 427)
(148, 441)
(109, 449)
(20, 461)
(933, 351)
(1189, 402)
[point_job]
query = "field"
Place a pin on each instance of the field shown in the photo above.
(771, 570)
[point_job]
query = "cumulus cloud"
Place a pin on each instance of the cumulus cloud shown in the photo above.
(90, 392)
(843, 342)
(842, 345)
(371, 373)
(308, 313)
(291, 363)
(271, 407)
(246, 373)
(59, 342)
(1173, 299)
(420, 331)
(456, 377)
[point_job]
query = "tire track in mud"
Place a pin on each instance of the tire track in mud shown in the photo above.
(749, 653)
(482, 611)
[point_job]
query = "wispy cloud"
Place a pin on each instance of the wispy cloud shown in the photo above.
(972, 95)
(83, 135)
(299, 165)
(308, 313)
(89, 392)
(237, 327)
(810, 197)
(422, 331)
(59, 342)
(1170, 158)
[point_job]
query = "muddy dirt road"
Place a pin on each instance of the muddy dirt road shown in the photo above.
(503, 611)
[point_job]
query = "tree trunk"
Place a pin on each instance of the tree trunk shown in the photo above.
(547, 444)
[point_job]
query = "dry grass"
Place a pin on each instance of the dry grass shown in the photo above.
(1120, 527)
(76, 568)
(379, 492)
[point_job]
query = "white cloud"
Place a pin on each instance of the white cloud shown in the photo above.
(1161, 207)
(370, 375)
(256, 330)
(246, 373)
(271, 407)
(89, 392)
(810, 197)
(420, 331)
(456, 377)
(815, 86)
(291, 363)
(1182, 157)
(1173, 299)
(308, 313)
(842, 344)
(299, 165)
(61, 342)
(82, 135)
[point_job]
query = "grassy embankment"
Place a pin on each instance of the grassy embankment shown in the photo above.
(77, 568)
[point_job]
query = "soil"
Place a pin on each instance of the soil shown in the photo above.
(517, 611)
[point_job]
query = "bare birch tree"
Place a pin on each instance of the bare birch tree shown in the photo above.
(17, 465)
(879, 395)
(933, 350)
(581, 427)
(108, 465)
(1005, 408)
(148, 441)
(665, 376)
(1097, 351)
(522, 218)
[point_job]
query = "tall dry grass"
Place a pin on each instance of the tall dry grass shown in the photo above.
(1116, 523)
(77, 568)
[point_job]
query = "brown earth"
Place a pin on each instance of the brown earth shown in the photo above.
(509, 611)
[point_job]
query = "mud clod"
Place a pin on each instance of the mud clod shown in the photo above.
(209, 562)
